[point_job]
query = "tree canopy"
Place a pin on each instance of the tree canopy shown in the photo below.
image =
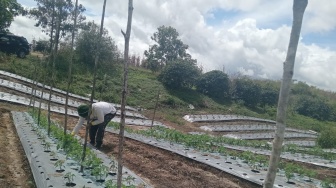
(9, 9)
(180, 74)
(48, 13)
(167, 48)
(214, 84)
(88, 43)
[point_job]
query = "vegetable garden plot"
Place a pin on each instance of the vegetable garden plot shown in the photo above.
(230, 164)
(250, 127)
(24, 101)
(54, 98)
(219, 118)
(55, 89)
(55, 168)
(255, 136)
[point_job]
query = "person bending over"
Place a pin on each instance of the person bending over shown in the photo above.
(100, 115)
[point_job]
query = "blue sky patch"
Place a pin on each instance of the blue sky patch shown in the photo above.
(325, 39)
(217, 16)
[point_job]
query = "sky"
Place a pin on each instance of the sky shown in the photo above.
(249, 37)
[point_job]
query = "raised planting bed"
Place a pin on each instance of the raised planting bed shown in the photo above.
(11, 75)
(54, 98)
(223, 118)
(251, 170)
(54, 167)
(250, 127)
(262, 136)
(25, 101)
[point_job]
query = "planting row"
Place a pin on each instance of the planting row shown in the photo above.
(246, 165)
(55, 160)
(316, 155)
(11, 75)
(263, 136)
(250, 127)
(54, 98)
(219, 118)
(25, 101)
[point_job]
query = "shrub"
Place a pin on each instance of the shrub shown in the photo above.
(327, 138)
(214, 84)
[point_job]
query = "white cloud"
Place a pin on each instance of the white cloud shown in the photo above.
(252, 41)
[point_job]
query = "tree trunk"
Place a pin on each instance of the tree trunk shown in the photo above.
(299, 7)
(124, 93)
(94, 83)
(54, 54)
(69, 74)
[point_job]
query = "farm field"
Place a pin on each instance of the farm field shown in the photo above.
(158, 167)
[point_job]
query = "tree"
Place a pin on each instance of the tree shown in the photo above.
(168, 48)
(47, 12)
(42, 46)
(214, 84)
(299, 7)
(87, 42)
(246, 90)
(314, 107)
(180, 74)
(269, 94)
(9, 9)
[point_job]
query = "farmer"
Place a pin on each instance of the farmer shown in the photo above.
(100, 115)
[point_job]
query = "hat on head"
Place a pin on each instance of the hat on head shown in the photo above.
(83, 110)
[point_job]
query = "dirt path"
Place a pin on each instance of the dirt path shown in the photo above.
(14, 167)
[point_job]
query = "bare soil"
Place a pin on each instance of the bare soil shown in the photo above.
(14, 167)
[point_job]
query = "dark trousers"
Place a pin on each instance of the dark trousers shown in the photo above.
(97, 131)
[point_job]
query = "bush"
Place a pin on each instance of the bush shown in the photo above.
(180, 74)
(327, 138)
(214, 84)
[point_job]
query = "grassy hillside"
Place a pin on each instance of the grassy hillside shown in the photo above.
(143, 92)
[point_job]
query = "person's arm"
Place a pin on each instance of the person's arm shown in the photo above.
(97, 112)
(78, 126)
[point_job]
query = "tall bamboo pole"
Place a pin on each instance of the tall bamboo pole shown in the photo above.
(94, 83)
(70, 73)
(299, 7)
(124, 93)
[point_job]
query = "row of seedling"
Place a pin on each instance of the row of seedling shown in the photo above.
(70, 146)
(220, 117)
(250, 127)
(206, 143)
(254, 136)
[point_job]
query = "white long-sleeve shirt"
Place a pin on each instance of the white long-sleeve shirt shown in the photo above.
(99, 110)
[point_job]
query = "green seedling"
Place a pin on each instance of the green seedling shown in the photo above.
(310, 174)
(70, 177)
(113, 165)
(289, 171)
(59, 164)
(47, 146)
(100, 172)
(110, 184)
(130, 180)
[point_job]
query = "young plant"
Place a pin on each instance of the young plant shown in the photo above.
(289, 171)
(113, 167)
(310, 174)
(129, 180)
(53, 155)
(70, 177)
(110, 184)
(47, 147)
(59, 164)
(100, 172)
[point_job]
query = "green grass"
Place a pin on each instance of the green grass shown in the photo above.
(143, 88)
